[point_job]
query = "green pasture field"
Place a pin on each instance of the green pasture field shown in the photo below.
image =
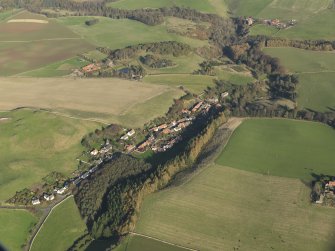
(143, 112)
(304, 61)
(15, 226)
(119, 33)
(316, 71)
(197, 83)
(58, 69)
(35, 143)
(27, 46)
(192, 83)
(139, 243)
(280, 147)
(262, 29)
(317, 91)
(63, 226)
(105, 100)
(314, 18)
(211, 6)
(95, 55)
(222, 208)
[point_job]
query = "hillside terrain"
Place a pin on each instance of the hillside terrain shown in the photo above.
(168, 125)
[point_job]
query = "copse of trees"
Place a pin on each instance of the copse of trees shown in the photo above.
(155, 62)
(283, 86)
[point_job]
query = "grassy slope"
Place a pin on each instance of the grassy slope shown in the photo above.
(281, 147)
(36, 143)
(61, 229)
(15, 226)
(212, 6)
(229, 209)
(118, 33)
(57, 69)
(316, 70)
(97, 98)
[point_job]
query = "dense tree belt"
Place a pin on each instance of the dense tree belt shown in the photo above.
(164, 48)
(318, 45)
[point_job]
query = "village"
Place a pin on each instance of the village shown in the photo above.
(280, 24)
(137, 142)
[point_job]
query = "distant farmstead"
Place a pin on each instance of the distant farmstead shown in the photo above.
(91, 68)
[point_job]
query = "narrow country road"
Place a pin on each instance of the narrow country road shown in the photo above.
(42, 221)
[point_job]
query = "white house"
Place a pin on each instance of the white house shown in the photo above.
(225, 94)
(131, 132)
(125, 137)
(49, 197)
(94, 152)
(35, 201)
(61, 190)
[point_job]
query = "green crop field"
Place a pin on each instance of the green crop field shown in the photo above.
(139, 243)
(314, 18)
(281, 147)
(316, 71)
(118, 33)
(26, 46)
(105, 99)
(15, 226)
(63, 226)
(223, 208)
(35, 143)
(212, 6)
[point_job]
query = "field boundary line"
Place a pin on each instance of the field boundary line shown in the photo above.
(166, 242)
(39, 40)
(32, 240)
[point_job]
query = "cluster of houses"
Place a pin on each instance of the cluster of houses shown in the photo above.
(51, 196)
(162, 137)
(329, 192)
(272, 22)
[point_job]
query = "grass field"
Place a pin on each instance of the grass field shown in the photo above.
(57, 69)
(138, 243)
(193, 83)
(27, 46)
(224, 208)
(315, 20)
(197, 83)
(15, 226)
(35, 143)
(63, 226)
(281, 147)
(211, 6)
(104, 99)
(118, 33)
(316, 71)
